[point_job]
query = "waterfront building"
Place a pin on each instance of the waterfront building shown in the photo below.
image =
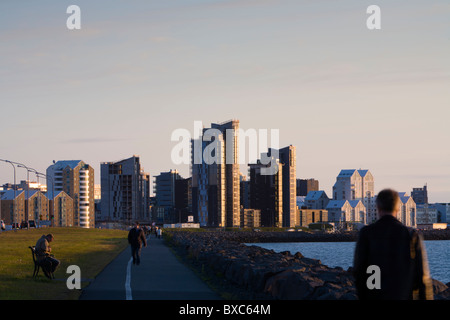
(245, 193)
(443, 212)
(420, 195)
(76, 178)
(347, 186)
(164, 188)
(216, 177)
(250, 218)
(287, 156)
(426, 214)
(304, 186)
(308, 216)
(316, 200)
(12, 206)
(287, 159)
(407, 212)
(61, 207)
(353, 184)
(371, 209)
(346, 211)
(266, 193)
(358, 211)
(230, 134)
(125, 191)
(183, 199)
(337, 210)
(36, 206)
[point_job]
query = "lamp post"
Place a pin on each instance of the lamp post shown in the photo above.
(53, 192)
(14, 200)
(20, 165)
(40, 202)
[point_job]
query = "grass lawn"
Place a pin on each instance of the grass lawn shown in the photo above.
(90, 249)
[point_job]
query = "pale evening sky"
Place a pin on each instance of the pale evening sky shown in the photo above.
(345, 96)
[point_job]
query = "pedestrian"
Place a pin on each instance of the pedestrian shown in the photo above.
(396, 251)
(159, 232)
(44, 257)
(136, 238)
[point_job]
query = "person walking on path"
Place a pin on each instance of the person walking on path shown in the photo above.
(136, 238)
(396, 251)
(44, 256)
(159, 233)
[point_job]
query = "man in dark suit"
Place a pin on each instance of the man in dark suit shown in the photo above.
(395, 250)
(136, 238)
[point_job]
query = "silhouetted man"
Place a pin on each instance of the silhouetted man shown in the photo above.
(399, 253)
(136, 237)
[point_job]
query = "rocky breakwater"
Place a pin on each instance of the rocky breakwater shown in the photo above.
(252, 272)
(257, 273)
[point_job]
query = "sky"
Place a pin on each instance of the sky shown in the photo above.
(347, 97)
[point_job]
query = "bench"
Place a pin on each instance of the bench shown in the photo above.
(38, 265)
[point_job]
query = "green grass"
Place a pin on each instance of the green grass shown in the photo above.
(90, 249)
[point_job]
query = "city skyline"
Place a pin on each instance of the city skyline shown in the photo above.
(345, 96)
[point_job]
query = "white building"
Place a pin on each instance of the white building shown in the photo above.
(346, 211)
(358, 211)
(347, 186)
(316, 200)
(407, 210)
(407, 213)
(75, 178)
(371, 209)
(353, 184)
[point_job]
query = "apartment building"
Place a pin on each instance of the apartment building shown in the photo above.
(341, 211)
(289, 179)
(12, 203)
(316, 200)
(304, 186)
(266, 193)
(216, 175)
(125, 191)
(61, 208)
(76, 178)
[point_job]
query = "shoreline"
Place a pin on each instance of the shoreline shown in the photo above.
(244, 272)
(303, 236)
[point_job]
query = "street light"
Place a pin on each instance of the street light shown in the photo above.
(53, 192)
(20, 165)
(40, 202)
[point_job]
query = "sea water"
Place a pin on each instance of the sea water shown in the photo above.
(340, 254)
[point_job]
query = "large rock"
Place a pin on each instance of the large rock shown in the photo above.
(292, 284)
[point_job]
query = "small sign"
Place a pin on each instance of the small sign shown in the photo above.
(190, 218)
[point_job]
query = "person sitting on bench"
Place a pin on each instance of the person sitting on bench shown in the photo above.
(44, 258)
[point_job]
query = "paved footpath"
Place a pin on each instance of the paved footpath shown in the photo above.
(160, 276)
